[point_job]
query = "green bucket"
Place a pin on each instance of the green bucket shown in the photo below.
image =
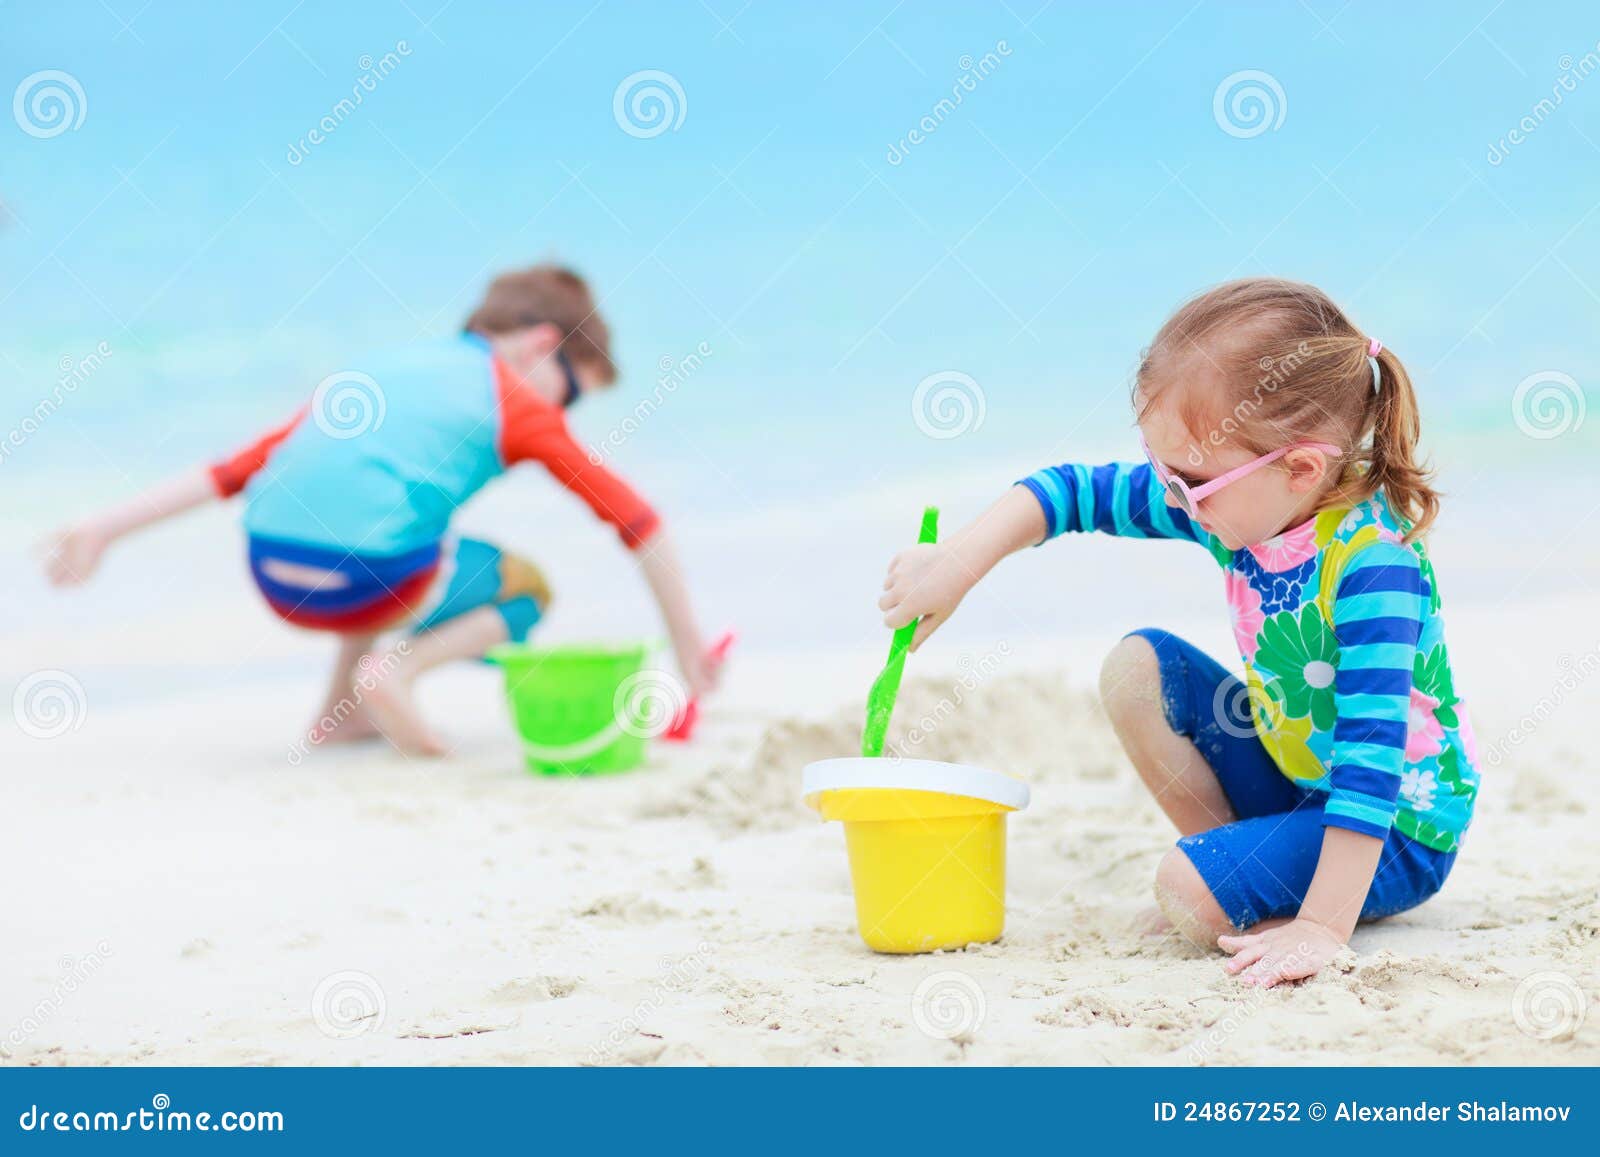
(568, 704)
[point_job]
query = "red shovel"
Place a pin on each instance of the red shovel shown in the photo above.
(683, 725)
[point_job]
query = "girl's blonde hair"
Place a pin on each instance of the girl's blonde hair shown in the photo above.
(1292, 367)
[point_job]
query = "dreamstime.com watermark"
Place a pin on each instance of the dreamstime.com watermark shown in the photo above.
(1273, 373)
(949, 1006)
(676, 976)
(1206, 1046)
(1549, 1005)
(1573, 672)
(646, 703)
(49, 103)
(1572, 73)
(648, 103)
(370, 672)
(348, 404)
(72, 372)
(948, 404)
(672, 373)
(1248, 103)
(75, 972)
(348, 1004)
(372, 73)
(970, 74)
(1548, 404)
(974, 673)
(47, 704)
(160, 1117)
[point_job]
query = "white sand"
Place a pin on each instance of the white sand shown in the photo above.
(180, 894)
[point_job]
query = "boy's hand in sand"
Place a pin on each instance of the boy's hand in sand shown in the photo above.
(1292, 951)
(699, 667)
(72, 555)
(926, 582)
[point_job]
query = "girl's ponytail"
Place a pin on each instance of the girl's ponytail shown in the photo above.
(1297, 369)
(1394, 469)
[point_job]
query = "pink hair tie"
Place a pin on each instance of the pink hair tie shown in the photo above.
(1375, 348)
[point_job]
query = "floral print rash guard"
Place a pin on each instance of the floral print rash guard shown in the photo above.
(1338, 623)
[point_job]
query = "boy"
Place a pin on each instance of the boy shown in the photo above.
(348, 522)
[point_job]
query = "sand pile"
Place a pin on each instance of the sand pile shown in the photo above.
(1033, 726)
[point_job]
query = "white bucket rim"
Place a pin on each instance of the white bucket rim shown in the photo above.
(850, 772)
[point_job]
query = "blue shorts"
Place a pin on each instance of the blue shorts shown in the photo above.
(1261, 865)
(332, 589)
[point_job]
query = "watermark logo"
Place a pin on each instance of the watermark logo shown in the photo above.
(672, 373)
(1571, 73)
(969, 75)
(348, 404)
(74, 371)
(677, 977)
(1275, 371)
(1548, 404)
(1237, 703)
(1573, 671)
(48, 704)
(75, 972)
(372, 671)
(948, 404)
(949, 1006)
(1549, 1005)
(974, 673)
(1248, 103)
(348, 1004)
(647, 702)
(371, 73)
(49, 103)
(648, 103)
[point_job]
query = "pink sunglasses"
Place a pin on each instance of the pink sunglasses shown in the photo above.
(1189, 497)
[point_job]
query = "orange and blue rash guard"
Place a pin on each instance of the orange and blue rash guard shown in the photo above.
(362, 483)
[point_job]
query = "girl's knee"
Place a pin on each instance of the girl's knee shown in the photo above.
(1130, 677)
(1187, 901)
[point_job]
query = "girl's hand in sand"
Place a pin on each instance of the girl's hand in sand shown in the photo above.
(1291, 951)
(925, 582)
(72, 555)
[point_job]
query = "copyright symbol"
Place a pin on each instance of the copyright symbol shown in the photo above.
(1318, 1111)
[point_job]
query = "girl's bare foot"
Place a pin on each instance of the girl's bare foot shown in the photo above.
(393, 711)
(1152, 922)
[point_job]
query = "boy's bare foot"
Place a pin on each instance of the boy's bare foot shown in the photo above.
(393, 711)
(358, 725)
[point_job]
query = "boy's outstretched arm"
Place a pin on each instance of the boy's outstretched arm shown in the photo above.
(73, 554)
(659, 562)
(929, 581)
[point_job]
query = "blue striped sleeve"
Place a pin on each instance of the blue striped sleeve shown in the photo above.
(1377, 619)
(1120, 498)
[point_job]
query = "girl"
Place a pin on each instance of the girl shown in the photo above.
(1334, 782)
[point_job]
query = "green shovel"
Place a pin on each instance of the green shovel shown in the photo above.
(886, 687)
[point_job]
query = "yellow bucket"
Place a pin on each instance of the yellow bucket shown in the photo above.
(927, 845)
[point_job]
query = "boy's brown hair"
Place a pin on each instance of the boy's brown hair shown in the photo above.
(548, 295)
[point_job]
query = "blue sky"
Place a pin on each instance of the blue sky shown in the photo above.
(1033, 240)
